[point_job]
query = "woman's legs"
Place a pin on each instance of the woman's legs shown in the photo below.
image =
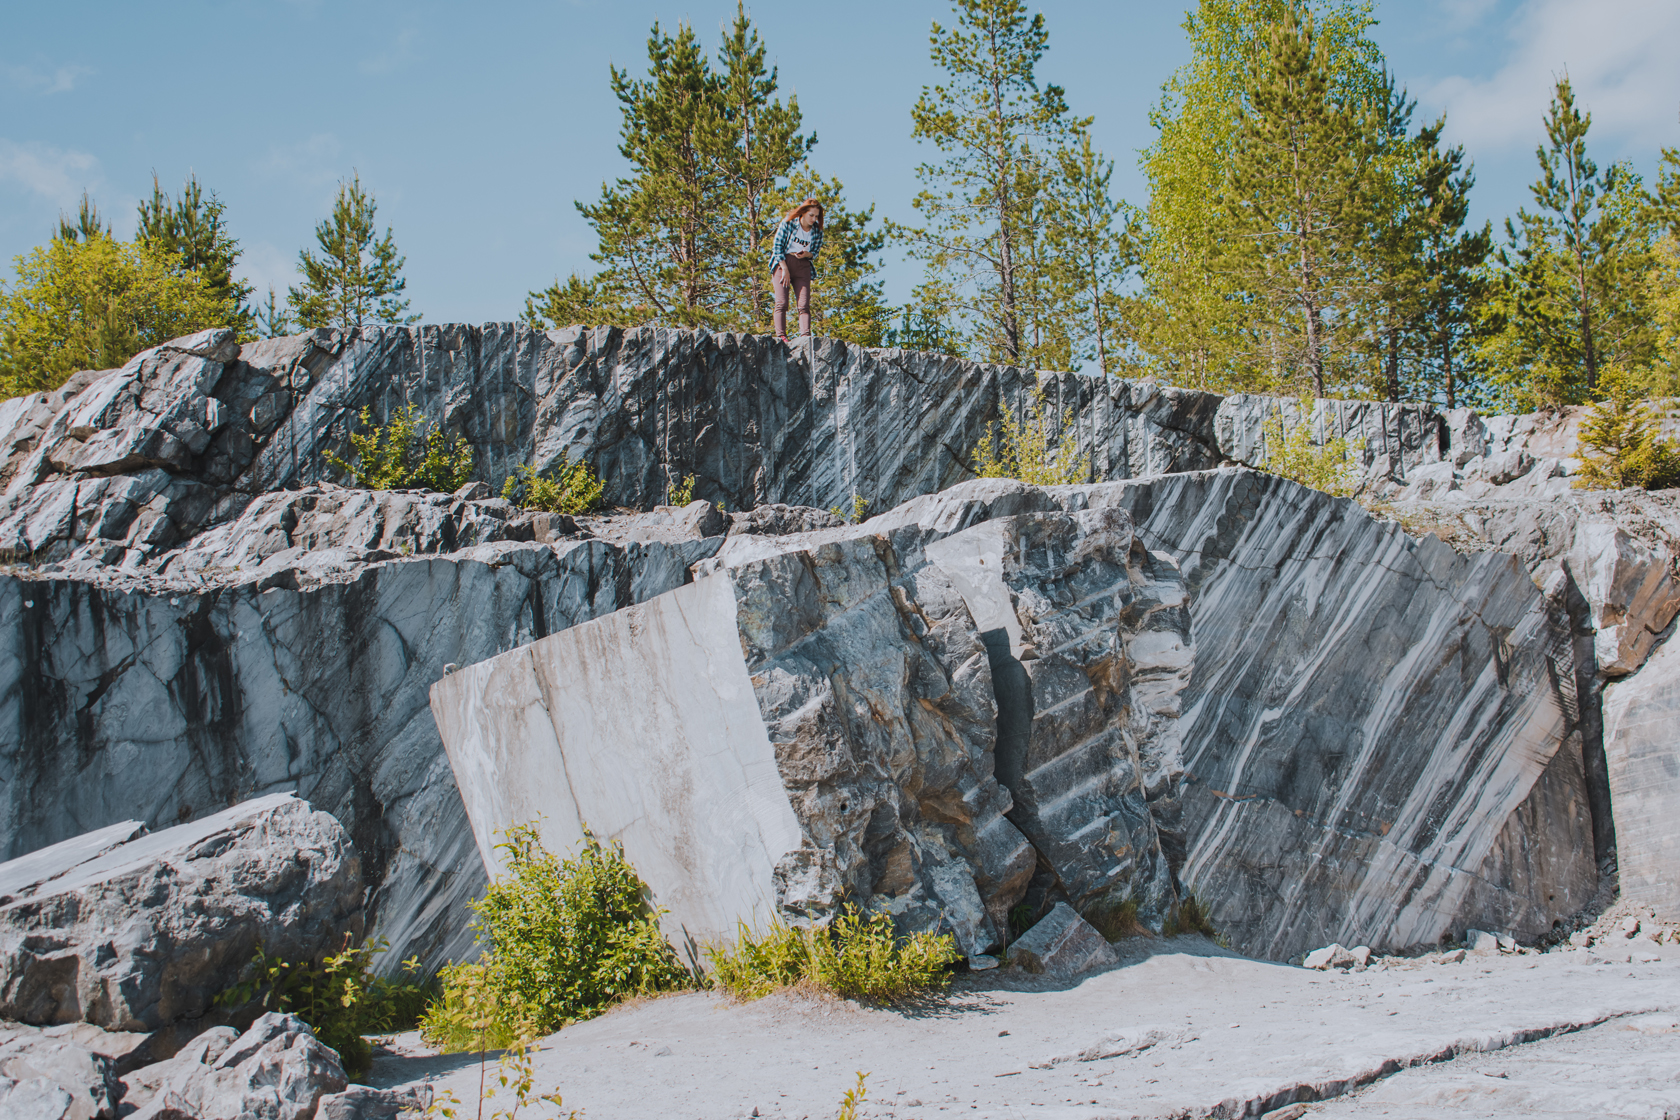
(779, 286)
(800, 271)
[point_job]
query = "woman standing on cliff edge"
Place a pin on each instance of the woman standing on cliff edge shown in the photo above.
(792, 256)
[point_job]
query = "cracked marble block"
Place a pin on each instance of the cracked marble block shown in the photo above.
(1088, 634)
(781, 736)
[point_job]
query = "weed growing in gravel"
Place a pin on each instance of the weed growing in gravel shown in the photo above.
(856, 956)
(566, 938)
(513, 1071)
(854, 1097)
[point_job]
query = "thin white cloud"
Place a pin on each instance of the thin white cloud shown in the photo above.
(310, 162)
(398, 54)
(1619, 55)
(263, 265)
(45, 79)
(56, 174)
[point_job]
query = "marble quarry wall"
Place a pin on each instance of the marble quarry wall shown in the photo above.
(1377, 730)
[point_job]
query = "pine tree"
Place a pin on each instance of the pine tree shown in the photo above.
(1620, 442)
(1451, 260)
(1296, 190)
(1095, 248)
(766, 147)
(270, 319)
(663, 232)
(357, 278)
(1391, 255)
(191, 228)
(1568, 302)
(990, 121)
(1195, 323)
(88, 224)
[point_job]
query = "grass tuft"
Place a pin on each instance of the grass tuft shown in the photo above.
(856, 956)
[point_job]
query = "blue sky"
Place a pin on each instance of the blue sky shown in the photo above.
(476, 126)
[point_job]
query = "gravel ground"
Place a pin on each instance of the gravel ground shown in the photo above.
(1181, 1028)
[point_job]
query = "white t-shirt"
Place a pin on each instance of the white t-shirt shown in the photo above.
(800, 242)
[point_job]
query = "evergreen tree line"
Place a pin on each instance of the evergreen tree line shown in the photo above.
(1303, 233)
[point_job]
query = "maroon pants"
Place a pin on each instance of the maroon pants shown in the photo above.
(795, 271)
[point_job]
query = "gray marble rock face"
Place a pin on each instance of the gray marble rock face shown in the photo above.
(1382, 738)
(148, 933)
(1088, 637)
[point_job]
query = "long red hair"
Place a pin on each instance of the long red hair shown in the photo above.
(808, 204)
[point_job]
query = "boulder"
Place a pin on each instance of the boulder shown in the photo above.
(1642, 749)
(276, 1070)
(151, 931)
(788, 732)
(1481, 941)
(90, 1079)
(359, 1102)
(1063, 945)
(37, 1099)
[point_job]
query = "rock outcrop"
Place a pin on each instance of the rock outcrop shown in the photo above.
(147, 934)
(195, 614)
(51, 1066)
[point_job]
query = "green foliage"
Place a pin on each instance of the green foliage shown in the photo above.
(854, 1098)
(1297, 189)
(1620, 444)
(856, 956)
(856, 513)
(847, 300)
(399, 456)
(564, 939)
(339, 997)
(515, 1072)
(1021, 448)
(1196, 319)
(570, 488)
(1570, 281)
(89, 301)
(985, 203)
(682, 493)
(1332, 466)
(192, 230)
(357, 278)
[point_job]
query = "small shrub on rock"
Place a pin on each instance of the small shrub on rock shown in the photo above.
(1621, 444)
(399, 456)
(571, 489)
(856, 956)
(566, 938)
(1022, 449)
(1333, 466)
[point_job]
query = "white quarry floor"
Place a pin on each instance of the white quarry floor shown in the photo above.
(1579, 1033)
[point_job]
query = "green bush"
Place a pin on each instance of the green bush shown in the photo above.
(338, 997)
(572, 489)
(1021, 449)
(1621, 444)
(682, 493)
(565, 939)
(399, 457)
(856, 956)
(1333, 467)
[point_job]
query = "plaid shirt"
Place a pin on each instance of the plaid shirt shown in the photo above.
(784, 234)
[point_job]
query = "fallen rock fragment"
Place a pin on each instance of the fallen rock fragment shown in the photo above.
(276, 1070)
(1332, 956)
(89, 1079)
(359, 1102)
(1063, 945)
